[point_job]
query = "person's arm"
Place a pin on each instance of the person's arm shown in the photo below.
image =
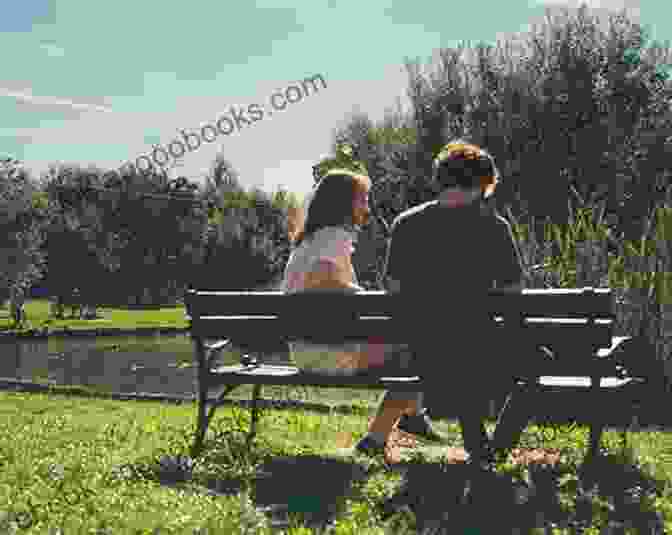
(393, 261)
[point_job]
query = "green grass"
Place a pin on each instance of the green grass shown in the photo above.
(38, 316)
(86, 465)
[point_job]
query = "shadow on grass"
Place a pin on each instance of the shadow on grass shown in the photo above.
(435, 496)
(447, 499)
(303, 489)
(307, 489)
(441, 497)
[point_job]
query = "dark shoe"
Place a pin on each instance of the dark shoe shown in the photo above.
(480, 470)
(421, 426)
(370, 447)
(485, 459)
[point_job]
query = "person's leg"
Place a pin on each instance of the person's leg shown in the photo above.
(394, 404)
(472, 417)
(391, 408)
(515, 414)
(404, 408)
(416, 404)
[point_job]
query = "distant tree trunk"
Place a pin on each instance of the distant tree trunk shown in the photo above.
(89, 312)
(17, 302)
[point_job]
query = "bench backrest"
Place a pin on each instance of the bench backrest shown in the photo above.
(556, 318)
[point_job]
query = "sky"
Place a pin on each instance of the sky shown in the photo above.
(105, 83)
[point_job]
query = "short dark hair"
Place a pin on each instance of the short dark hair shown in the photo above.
(332, 203)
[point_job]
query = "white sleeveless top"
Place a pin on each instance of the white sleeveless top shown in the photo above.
(333, 243)
(336, 244)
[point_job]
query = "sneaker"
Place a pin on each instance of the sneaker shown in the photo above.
(478, 479)
(485, 459)
(421, 426)
(369, 447)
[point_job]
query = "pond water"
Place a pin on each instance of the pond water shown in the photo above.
(161, 363)
(157, 364)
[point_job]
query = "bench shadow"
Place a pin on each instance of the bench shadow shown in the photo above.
(443, 497)
(311, 489)
(449, 498)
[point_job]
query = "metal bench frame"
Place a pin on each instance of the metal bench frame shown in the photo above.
(258, 321)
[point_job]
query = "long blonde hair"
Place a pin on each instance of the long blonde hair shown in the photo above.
(330, 203)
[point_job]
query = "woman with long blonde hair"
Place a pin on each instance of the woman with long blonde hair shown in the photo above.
(323, 235)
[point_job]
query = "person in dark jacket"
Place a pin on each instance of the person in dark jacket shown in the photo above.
(444, 256)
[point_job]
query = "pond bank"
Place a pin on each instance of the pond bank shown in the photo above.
(145, 364)
(99, 331)
(19, 385)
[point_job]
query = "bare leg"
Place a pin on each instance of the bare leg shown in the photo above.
(390, 410)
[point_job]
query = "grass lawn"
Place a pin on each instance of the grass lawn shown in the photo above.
(38, 316)
(84, 465)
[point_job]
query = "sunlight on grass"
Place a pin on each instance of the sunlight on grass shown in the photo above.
(83, 464)
(90, 464)
(38, 315)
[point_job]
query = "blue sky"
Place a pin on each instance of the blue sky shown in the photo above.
(101, 82)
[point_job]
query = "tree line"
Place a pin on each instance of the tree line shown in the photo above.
(572, 121)
(136, 239)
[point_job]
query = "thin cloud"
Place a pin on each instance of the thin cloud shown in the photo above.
(52, 50)
(26, 96)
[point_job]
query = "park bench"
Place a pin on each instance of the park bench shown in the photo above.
(563, 340)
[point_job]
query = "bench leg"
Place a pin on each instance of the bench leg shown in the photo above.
(256, 392)
(202, 421)
(596, 427)
(596, 430)
(204, 416)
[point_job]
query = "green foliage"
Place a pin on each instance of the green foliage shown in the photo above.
(343, 159)
(547, 131)
(552, 137)
(21, 217)
(137, 234)
(246, 245)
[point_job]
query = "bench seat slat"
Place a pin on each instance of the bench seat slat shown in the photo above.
(605, 382)
(287, 375)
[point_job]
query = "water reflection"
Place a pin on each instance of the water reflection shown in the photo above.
(120, 364)
(160, 363)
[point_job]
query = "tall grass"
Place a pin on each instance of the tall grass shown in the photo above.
(638, 273)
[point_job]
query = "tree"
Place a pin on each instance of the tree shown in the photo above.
(247, 246)
(563, 115)
(76, 243)
(129, 234)
(21, 219)
(569, 122)
(247, 241)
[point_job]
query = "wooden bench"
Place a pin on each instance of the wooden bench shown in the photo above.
(563, 341)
